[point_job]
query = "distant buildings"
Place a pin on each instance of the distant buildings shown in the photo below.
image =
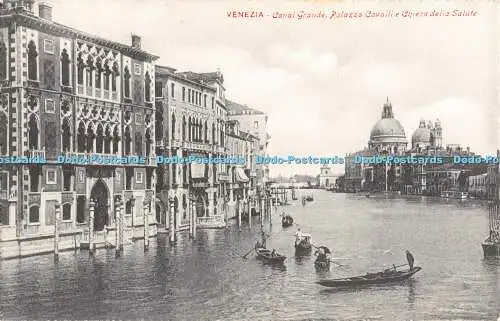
(326, 178)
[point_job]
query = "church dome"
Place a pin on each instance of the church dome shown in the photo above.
(388, 129)
(422, 134)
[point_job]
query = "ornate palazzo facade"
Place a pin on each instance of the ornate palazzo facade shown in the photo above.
(67, 95)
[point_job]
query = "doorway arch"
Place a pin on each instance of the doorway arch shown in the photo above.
(100, 196)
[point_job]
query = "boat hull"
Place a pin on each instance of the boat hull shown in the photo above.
(370, 279)
(322, 265)
(491, 249)
(302, 249)
(265, 255)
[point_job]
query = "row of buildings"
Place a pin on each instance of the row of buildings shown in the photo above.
(388, 137)
(66, 92)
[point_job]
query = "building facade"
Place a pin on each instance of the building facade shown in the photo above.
(66, 95)
(326, 177)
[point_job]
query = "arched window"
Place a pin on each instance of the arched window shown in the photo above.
(128, 141)
(116, 140)
(80, 68)
(99, 139)
(65, 64)
(115, 75)
(183, 128)
(148, 142)
(3, 134)
(66, 136)
(126, 83)
(138, 144)
(90, 139)
(32, 61)
(66, 212)
(173, 126)
(98, 73)
(107, 74)
(3, 61)
(205, 134)
(80, 209)
(159, 125)
(107, 140)
(33, 133)
(81, 139)
(89, 69)
(213, 133)
(34, 216)
(190, 128)
(147, 87)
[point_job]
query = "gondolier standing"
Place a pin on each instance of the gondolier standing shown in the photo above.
(298, 236)
(410, 259)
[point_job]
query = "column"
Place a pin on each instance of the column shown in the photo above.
(91, 227)
(249, 213)
(132, 205)
(122, 224)
(12, 212)
(238, 205)
(171, 227)
(56, 231)
(195, 217)
(118, 228)
(147, 212)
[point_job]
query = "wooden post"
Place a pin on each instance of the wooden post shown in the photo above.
(195, 217)
(56, 232)
(118, 223)
(191, 217)
(122, 224)
(147, 208)
(261, 211)
(91, 227)
(239, 214)
(171, 227)
(249, 212)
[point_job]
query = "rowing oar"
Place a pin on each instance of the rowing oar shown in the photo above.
(245, 256)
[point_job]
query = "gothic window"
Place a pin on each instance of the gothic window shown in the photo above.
(129, 174)
(50, 136)
(81, 138)
(66, 212)
(3, 134)
(116, 140)
(158, 89)
(32, 61)
(213, 134)
(205, 134)
(115, 75)
(34, 216)
(99, 139)
(128, 141)
(81, 69)
(147, 87)
(213, 103)
(80, 209)
(183, 128)
(3, 61)
(90, 67)
(172, 90)
(173, 126)
(158, 125)
(189, 95)
(98, 74)
(49, 74)
(67, 179)
(138, 144)
(107, 140)
(90, 139)
(126, 88)
(205, 100)
(183, 93)
(65, 64)
(33, 133)
(148, 142)
(34, 173)
(66, 136)
(107, 74)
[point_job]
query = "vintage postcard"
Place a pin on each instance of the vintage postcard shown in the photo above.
(249, 160)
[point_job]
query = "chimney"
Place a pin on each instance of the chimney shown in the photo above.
(45, 11)
(136, 42)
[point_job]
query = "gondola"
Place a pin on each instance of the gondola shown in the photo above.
(309, 198)
(286, 221)
(304, 246)
(266, 255)
(387, 276)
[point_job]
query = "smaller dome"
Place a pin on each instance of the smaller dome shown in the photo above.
(422, 134)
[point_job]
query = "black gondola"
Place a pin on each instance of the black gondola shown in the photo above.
(268, 256)
(309, 198)
(286, 221)
(387, 276)
(322, 264)
(304, 245)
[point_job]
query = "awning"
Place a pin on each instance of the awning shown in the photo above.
(240, 175)
(198, 170)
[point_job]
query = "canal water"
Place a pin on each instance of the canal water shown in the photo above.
(207, 279)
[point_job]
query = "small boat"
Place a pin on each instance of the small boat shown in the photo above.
(286, 221)
(267, 255)
(321, 264)
(387, 276)
(309, 198)
(304, 245)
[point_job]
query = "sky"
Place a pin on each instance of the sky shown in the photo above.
(323, 82)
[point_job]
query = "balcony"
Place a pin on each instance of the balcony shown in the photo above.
(223, 177)
(36, 153)
(216, 221)
(197, 146)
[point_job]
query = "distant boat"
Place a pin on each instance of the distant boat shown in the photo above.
(286, 221)
(491, 246)
(387, 276)
(322, 265)
(454, 195)
(309, 198)
(268, 256)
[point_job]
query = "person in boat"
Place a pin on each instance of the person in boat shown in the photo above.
(321, 255)
(494, 237)
(263, 237)
(273, 253)
(411, 259)
(298, 236)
